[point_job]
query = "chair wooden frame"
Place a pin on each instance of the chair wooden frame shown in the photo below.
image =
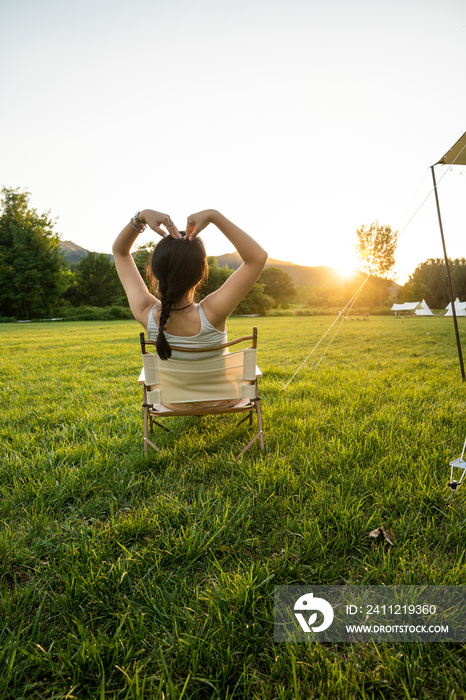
(151, 415)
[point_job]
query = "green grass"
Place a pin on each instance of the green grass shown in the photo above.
(124, 576)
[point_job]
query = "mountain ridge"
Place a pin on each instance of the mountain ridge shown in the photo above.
(302, 275)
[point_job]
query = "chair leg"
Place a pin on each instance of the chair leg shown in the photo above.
(159, 424)
(260, 434)
(148, 442)
(259, 417)
(145, 414)
(250, 444)
(249, 416)
(259, 423)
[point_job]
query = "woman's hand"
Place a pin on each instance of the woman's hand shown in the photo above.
(197, 222)
(154, 219)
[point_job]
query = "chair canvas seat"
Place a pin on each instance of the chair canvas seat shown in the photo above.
(224, 377)
(160, 410)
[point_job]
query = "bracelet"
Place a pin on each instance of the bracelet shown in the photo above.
(137, 219)
(139, 230)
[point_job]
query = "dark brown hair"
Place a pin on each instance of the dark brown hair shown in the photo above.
(178, 266)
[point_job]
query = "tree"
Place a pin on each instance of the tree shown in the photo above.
(96, 282)
(217, 276)
(376, 249)
(141, 257)
(277, 284)
(429, 282)
(255, 302)
(33, 274)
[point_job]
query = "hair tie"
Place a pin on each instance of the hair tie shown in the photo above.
(162, 328)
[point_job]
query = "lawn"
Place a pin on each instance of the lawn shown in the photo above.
(124, 576)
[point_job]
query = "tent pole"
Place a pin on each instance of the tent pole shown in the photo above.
(447, 269)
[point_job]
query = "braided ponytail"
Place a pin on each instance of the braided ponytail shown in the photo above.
(180, 267)
(163, 348)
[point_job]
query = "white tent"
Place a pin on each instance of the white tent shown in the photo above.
(458, 305)
(460, 308)
(424, 310)
(407, 306)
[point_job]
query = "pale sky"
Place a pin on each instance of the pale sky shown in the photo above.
(299, 120)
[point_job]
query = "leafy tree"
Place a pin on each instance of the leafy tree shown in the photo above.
(429, 281)
(278, 285)
(255, 302)
(141, 257)
(217, 276)
(96, 282)
(33, 274)
(376, 249)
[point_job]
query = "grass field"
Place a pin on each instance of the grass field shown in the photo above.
(130, 577)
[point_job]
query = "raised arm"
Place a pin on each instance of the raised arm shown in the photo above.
(139, 297)
(219, 305)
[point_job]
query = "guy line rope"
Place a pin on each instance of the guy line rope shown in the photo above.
(341, 318)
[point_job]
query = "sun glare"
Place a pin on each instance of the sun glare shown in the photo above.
(345, 268)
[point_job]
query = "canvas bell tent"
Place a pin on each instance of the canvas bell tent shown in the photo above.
(406, 307)
(423, 310)
(459, 306)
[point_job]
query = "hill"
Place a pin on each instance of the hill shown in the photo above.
(321, 276)
(302, 276)
(73, 252)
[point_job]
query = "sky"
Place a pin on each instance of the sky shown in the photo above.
(299, 120)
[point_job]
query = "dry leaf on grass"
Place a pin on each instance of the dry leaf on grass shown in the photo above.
(388, 536)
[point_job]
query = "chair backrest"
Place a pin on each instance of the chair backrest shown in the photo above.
(221, 377)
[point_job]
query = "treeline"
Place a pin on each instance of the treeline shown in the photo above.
(37, 282)
(377, 293)
(429, 282)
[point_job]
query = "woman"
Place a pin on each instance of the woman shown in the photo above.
(179, 265)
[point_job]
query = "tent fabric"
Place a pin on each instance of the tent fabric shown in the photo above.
(461, 311)
(424, 310)
(456, 155)
(460, 308)
(458, 305)
(457, 301)
(407, 306)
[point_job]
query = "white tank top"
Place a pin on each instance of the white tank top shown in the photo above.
(208, 337)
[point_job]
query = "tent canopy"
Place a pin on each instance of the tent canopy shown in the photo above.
(457, 304)
(407, 306)
(459, 310)
(456, 154)
(424, 310)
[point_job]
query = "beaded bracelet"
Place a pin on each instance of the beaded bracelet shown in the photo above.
(139, 230)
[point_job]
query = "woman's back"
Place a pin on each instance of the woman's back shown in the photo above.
(187, 328)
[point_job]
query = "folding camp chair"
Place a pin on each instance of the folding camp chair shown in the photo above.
(218, 378)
